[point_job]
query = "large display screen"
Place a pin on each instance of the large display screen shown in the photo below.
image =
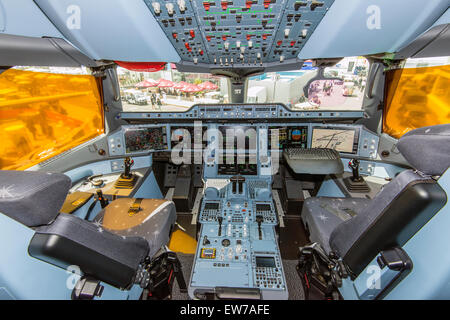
(239, 137)
(289, 136)
(145, 138)
(179, 134)
(340, 139)
(243, 164)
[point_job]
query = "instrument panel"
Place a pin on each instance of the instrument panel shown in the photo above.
(240, 33)
(249, 132)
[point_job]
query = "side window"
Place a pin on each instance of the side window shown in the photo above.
(417, 95)
(44, 112)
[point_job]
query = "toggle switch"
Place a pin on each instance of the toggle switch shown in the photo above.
(226, 45)
(266, 4)
(156, 7)
(238, 44)
(304, 33)
(192, 33)
(250, 44)
(169, 7)
(286, 32)
(182, 5)
(206, 5)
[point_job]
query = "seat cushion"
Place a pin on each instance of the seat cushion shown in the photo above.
(322, 215)
(32, 198)
(153, 222)
(70, 240)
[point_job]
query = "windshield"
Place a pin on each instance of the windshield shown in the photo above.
(342, 88)
(169, 90)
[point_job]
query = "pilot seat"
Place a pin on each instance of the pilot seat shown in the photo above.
(114, 251)
(356, 230)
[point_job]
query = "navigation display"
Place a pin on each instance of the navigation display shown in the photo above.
(177, 134)
(295, 136)
(144, 138)
(239, 137)
(340, 139)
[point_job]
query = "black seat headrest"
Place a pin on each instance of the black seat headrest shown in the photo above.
(427, 149)
(32, 198)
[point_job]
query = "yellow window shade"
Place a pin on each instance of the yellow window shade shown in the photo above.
(45, 114)
(415, 98)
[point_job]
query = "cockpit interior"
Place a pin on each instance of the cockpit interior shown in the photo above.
(224, 149)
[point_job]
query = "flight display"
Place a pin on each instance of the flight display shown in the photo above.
(339, 139)
(145, 138)
(239, 137)
(243, 164)
(181, 133)
(289, 136)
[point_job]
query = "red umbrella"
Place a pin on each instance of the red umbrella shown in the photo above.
(147, 84)
(191, 88)
(164, 83)
(208, 86)
(180, 85)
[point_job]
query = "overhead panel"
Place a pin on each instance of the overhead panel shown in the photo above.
(238, 33)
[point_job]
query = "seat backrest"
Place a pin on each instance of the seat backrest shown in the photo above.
(403, 206)
(32, 198)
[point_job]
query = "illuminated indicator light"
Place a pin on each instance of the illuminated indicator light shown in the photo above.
(192, 33)
(224, 37)
(264, 36)
(248, 4)
(224, 5)
(266, 4)
(292, 43)
(206, 5)
(249, 36)
(279, 42)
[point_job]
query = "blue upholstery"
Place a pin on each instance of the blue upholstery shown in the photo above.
(32, 198)
(427, 149)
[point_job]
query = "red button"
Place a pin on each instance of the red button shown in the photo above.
(249, 36)
(224, 5)
(174, 35)
(188, 47)
(264, 36)
(279, 42)
(208, 38)
(292, 43)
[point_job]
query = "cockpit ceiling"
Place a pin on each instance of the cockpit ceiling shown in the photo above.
(240, 33)
(211, 34)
